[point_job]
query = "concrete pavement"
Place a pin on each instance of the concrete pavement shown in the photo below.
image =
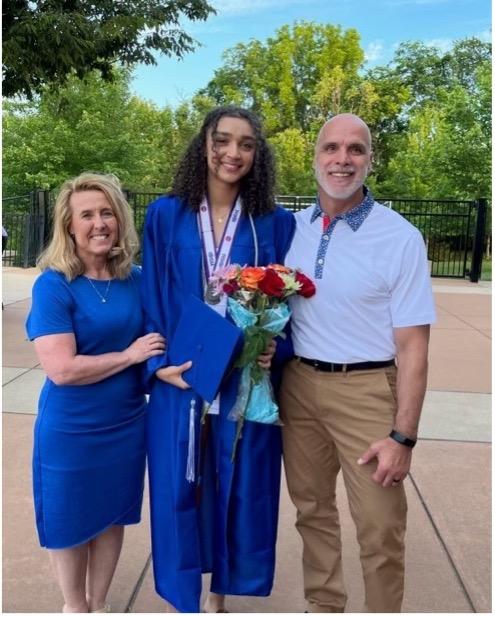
(448, 556)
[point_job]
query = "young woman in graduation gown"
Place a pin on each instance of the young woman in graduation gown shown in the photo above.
(224, 521)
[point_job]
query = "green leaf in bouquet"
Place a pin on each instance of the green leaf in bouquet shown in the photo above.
(255, 342)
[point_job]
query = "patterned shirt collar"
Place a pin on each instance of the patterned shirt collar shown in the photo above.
(355, 217)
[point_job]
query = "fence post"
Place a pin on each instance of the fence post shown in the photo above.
(35, 222)
(27, 233)
(479, 236)
(43, 202)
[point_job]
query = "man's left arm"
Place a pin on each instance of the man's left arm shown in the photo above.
(394, 459)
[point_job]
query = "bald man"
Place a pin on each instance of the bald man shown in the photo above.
(352, 397)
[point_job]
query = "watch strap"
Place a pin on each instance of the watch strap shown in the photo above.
(402, 439)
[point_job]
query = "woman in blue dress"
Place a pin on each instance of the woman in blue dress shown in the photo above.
(221, 210)
(89, 437)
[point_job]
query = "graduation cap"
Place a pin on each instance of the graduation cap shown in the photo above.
(210, 341)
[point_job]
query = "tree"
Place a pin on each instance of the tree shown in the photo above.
(45, 41)
(91, 124)
(445, 153)
(87, 125)
(438, 143)
(279, 79)
(424, 69)
(294, 155)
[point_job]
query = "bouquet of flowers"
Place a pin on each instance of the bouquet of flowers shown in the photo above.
(256, 301)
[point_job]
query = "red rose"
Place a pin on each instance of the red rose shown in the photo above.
(230, 288)
(271, 284)
(308, 288)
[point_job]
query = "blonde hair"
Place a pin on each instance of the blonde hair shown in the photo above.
(60, 254)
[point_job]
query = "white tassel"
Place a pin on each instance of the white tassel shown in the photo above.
(190, 474)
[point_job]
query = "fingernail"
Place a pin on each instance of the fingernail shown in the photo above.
(360, 461)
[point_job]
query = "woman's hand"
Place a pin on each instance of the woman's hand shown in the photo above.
(145, 347)
(173, 375)
(265, 359)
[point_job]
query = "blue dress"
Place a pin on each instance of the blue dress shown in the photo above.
(89, 440)
(226, 523)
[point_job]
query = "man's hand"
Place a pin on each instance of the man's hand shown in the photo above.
(173, 375)
(394, 461)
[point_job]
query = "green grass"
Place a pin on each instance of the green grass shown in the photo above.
(452, 268)
(447, 268)
(486, 270)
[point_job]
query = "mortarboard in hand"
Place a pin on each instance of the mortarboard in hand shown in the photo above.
(210, 341)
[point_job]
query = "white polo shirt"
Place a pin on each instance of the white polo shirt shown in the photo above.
(371, 275)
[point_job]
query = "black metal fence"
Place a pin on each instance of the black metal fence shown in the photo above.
(26, 219)
(454, 231)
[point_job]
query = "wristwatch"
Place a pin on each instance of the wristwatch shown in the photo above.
(402, 439)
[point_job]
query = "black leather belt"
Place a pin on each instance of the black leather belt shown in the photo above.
(333, 367)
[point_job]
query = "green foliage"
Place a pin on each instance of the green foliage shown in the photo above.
(444, 149)
(425, 70)
(93, 125)
(294, 156)
(429, 113)
(279, 79)
(486, 271)
(45, 41)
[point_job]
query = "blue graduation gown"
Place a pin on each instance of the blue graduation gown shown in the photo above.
(232, 532)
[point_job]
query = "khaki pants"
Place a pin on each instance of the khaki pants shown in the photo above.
(330, 419)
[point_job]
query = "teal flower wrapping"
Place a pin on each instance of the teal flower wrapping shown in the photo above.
(255, 397)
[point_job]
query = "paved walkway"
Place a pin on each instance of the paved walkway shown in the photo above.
(449, 488)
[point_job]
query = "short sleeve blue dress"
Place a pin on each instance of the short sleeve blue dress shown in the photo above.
(89, 440)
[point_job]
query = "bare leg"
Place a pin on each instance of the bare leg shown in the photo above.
(104, 552)
(214, 603)
(69, 565)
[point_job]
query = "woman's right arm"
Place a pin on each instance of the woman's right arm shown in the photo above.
(65, 367)
(50, 325)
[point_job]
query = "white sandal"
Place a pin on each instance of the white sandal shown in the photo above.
(104, 609)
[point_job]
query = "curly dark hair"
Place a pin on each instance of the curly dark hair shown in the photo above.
(257, 187)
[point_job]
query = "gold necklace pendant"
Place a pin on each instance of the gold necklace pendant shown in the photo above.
(221, 217)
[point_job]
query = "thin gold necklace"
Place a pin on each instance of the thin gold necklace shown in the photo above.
(104, 297)
(221, 219)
